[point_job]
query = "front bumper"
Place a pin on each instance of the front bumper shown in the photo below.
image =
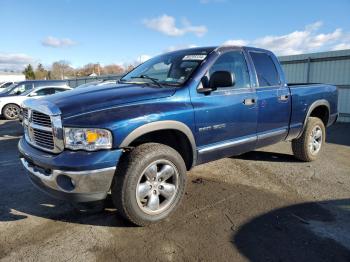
(75, 176)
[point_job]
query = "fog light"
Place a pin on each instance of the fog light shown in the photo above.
(65, 182)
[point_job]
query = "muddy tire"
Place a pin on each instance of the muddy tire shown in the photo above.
(308, 146)
(11, 111)
(149, 183)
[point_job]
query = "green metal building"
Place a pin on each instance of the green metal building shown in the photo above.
(331, 67)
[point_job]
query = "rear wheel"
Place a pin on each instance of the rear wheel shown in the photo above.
(149, 183)
(11, 111)
(309, 145)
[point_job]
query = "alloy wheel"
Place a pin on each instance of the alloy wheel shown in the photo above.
(157, 187)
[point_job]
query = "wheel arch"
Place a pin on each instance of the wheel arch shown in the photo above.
(165, 128)
(319, 108)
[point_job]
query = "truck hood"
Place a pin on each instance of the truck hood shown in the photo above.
(94, 98)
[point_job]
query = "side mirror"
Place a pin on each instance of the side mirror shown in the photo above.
(204, 86)
(217, 79)
(32, 94)
(18, 93)
(222, 79)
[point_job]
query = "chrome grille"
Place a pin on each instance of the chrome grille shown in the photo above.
(41, 119)
(43, 126)
(43, 139)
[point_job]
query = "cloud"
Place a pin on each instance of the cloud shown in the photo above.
(178, 47)
(300, 41)
(341, 46)
(238, 42)
(54, 42)
(167, 25)
(14, 61)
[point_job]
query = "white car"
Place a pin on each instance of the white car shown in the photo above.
(10, 106)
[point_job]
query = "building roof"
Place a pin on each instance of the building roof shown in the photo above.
(328, 54)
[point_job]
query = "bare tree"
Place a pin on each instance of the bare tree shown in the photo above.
(112, 69)
(40, 72)
(61, 70)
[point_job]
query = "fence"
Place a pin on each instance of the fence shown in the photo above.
(74, 82)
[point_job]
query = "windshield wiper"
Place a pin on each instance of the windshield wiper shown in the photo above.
(154, 80)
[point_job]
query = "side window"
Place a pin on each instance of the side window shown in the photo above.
(45, 92)
(265, 69)
(21, 89)
(233, 62)
(59, 90)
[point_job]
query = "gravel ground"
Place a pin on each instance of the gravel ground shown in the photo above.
(261, 206)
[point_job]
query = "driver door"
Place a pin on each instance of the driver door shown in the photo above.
(226, 118)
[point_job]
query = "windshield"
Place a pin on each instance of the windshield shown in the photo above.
(9, 88)
(169, 69)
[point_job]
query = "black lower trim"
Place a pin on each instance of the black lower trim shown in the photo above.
(332, 119)
(74, 197)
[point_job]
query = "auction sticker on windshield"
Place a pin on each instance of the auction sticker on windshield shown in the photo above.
(194, 57)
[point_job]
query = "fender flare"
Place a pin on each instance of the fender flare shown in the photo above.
(162, 125)
(321, 102)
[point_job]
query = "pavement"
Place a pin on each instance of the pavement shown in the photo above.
(260, 206)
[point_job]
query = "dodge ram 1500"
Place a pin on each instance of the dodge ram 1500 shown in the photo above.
(138, 138)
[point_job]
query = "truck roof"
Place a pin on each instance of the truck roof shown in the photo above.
(209, 49)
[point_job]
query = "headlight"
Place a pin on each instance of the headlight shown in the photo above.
(89, 139)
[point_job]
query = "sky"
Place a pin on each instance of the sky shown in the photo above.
(121, 32)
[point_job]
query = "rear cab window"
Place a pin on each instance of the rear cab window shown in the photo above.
(265, 68)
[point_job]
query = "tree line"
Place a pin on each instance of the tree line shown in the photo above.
(63, 70)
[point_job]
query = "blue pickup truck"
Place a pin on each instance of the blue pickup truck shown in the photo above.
(138, 138)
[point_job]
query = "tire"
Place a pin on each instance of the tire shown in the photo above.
(11, 111)
(305, 148)
(148, 172)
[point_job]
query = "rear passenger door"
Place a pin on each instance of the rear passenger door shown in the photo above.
(273, 100)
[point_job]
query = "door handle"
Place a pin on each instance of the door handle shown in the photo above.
(249, 101)
(283, 97)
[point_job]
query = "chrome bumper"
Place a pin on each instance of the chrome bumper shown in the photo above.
(91, 184)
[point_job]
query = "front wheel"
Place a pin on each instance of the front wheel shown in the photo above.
(11, 111)
(149, 183)
(309, 145)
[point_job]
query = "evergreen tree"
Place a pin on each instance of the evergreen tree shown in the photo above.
(28, 72)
